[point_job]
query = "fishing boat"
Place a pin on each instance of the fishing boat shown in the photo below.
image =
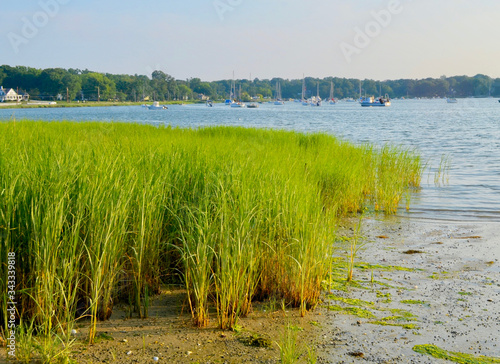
(278, 101)
(371, 101)
(156, 106)
(451, 100)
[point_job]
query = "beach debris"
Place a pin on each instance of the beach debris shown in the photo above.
(357, 354)
(124, 341)
(413, 251)
(189, 353)
(466, 237)
(74, 332)
(129, 352)
(382, 237)
(155, 358)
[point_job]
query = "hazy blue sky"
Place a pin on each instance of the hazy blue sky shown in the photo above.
(377, 39)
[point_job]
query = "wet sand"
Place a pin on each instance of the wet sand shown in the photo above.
(458, 280)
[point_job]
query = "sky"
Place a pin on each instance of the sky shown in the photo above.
(209, 39)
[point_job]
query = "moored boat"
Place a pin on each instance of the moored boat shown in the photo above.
(332, 99)
(156, 106)
(316, 101)
(238, 104)
(371, 101)
(451, 100)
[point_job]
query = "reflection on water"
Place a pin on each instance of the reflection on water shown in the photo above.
(468, 133)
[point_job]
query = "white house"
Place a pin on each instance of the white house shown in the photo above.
(9, 95)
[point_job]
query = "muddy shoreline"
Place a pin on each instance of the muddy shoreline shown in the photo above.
(449, 296)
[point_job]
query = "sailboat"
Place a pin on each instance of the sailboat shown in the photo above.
(316, 101)
(232, 93)
(303, 99)
(238, 103)
(278, 95)
(332, 100)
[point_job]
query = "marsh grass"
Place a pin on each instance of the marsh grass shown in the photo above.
(96, 212)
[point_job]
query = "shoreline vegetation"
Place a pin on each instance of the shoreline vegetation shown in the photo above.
(101, 213)
(58, 104)
(76, 84)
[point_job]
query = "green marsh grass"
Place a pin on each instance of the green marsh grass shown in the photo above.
(101, 211)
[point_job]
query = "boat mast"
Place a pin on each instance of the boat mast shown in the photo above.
(232, 94)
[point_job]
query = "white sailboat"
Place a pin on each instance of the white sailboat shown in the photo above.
(278, 101)
(232, 93)
(238, 103)
(303, 99)
(332, 99)
(316, 100)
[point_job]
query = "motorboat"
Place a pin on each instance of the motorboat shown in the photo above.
(238, 104)
(209, 103)
(156, 106)
(253, 105)
(451, 100)
(371, 101)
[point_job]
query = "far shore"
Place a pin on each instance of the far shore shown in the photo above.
(51, 104)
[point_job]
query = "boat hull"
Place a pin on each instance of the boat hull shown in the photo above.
(375, 104)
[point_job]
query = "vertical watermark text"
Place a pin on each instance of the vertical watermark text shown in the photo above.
(11, 305)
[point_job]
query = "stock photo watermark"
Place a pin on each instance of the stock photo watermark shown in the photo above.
(373, 28)
(223, 6)
(11, 305)
(32, 25)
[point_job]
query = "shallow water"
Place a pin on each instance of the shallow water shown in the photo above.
(467, 133)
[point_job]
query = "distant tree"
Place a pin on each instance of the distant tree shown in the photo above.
(183, 91)
(54, 81)
(96, 85)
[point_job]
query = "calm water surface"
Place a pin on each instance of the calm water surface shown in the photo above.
(468, 133)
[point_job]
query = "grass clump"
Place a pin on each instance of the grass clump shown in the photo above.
(100, 212)
(456, 357)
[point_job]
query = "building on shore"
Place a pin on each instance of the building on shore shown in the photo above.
(12, 95)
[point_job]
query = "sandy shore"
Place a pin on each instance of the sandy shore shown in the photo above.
(458, 280)
(455, 274)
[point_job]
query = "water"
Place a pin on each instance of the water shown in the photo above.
(468, 133)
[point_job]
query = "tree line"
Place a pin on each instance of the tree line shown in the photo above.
(75, 84)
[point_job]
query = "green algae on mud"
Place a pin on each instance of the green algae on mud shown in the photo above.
(456, 357)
